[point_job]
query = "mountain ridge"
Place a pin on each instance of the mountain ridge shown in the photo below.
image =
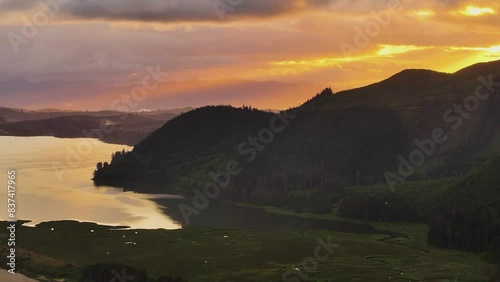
(336, 140)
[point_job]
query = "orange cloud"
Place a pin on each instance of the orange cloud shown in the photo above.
(294, 41)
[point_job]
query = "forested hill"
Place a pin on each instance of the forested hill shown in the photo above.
(465, 213)
(332, 141)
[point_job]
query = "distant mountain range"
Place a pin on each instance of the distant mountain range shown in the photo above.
(14, 114)
(78, 95)
(128, 128)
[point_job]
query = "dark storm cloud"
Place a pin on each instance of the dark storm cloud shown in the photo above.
(6, 5)
(171, 10)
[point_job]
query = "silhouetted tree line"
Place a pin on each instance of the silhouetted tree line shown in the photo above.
(325, 93)
(468, 229)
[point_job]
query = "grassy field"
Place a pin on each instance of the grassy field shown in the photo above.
(61, 249)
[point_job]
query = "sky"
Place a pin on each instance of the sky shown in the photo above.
(271, 54)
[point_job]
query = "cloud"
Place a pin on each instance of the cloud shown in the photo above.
(288, 41)
(20, 5)
(171, 10)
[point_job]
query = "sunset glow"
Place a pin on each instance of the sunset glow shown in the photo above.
(388, 50)
(97, 51)
(423, 13)
(476, 11)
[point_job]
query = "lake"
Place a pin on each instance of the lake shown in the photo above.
(54, 183)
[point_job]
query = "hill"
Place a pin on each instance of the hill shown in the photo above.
(332, 141)
(480, 187)
(120, 127)
(426, 100)
(313, 151)
(465, 213)
(127, 131)
(14, 115)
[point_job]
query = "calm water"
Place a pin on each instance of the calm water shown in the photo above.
(54, 183)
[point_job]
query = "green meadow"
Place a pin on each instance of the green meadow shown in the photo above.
(60, 250)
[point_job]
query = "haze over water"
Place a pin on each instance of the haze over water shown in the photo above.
(43, 196)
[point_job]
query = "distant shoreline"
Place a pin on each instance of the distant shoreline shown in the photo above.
(111, 142)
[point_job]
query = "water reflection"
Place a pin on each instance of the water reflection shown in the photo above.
(53, 183)
(231, 216)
